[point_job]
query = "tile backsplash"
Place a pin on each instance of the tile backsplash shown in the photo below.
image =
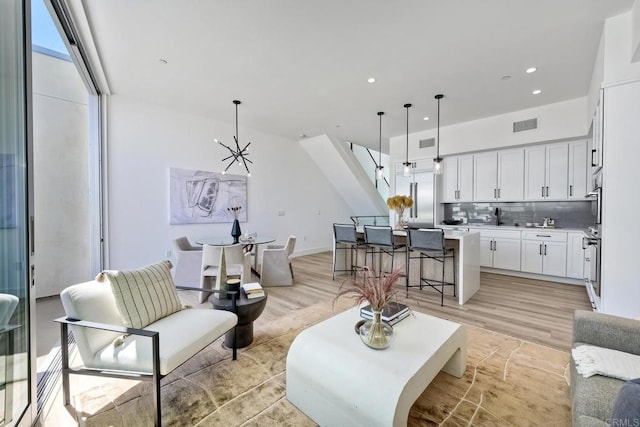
(566, 214)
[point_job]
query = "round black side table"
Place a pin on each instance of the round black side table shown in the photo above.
(248, 311)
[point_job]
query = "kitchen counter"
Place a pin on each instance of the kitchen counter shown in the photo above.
(510, 227)
(466, 245)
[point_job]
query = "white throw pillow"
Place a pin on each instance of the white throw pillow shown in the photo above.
(145, 295)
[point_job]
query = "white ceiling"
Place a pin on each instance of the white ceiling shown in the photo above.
(301, 66)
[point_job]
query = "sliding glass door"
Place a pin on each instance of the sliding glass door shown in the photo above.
(16, 378)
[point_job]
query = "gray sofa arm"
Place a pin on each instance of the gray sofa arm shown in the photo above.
(604, 330)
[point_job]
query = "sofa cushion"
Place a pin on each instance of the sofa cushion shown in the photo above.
(182, 335)
(144, 295)
(94, 302)
(626, 410)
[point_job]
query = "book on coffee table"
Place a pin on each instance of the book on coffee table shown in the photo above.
(392, 321)
(390, 312)
(252, 290)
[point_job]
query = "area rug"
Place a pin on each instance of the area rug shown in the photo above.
(507, 382)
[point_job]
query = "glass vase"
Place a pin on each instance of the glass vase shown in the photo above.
(235, 231)
(399, 219)
(375, 333)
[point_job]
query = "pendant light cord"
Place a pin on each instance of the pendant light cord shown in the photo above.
(407, 106)
(380, 113)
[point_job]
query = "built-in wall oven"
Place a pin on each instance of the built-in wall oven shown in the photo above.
(592, 257)
(592, 245)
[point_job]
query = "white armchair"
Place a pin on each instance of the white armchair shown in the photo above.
(188, 261)
(238, 264)
(117, 329)
(8, 304)
(276, 267)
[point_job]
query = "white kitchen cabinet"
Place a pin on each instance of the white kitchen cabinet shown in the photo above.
(498, 175)
(575, 255)
(485, 176)
(546, 171)
(457, 179)
(511, 174)
(595, 158)
(544, 253)
(500, 249)
(578, 169)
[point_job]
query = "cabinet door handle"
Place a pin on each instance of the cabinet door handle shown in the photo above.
(499, 193)
(543, 191)
(543, 235)
(495, 245)
(540, 247)
(545, 250)
(593, 152)
(571, 190)
(547, 191)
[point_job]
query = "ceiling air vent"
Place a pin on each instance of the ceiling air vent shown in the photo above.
(523, 125)
(426, 143)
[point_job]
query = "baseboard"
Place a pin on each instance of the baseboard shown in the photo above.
(565, 280)
(312, 251)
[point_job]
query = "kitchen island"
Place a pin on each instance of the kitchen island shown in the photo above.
(466, 245)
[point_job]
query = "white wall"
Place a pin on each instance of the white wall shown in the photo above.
(555, 121)
(635, 31)
(618, 50)
(61, 175)
(145, 140)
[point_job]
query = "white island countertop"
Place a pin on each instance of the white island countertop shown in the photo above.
(466, 245)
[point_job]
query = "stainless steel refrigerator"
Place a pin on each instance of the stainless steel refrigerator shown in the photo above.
(419, 185)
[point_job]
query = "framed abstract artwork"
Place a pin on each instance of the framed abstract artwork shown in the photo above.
(198, 197)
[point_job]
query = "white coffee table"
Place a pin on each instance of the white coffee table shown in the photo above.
(337, 380)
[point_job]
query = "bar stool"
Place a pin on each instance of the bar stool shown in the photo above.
(379, 240)
(346, 239)
(429, 243)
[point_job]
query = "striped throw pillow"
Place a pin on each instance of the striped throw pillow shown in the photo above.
(145, 295)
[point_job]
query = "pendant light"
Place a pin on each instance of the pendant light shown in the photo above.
(407, 164)
(437, 162)
(380, 168)
(238, 154)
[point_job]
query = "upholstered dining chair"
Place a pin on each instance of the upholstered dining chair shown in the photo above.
(238, 264)
(186, 272)
(276, 269)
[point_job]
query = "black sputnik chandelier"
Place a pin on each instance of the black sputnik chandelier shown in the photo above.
(238, 155)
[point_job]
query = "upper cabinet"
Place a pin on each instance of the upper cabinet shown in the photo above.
(557, 171)
(498, 175)
(457, 179)
(546, 172)
(597, 134)
(578, 170)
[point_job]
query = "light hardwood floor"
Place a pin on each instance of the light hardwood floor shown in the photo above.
(533, 310)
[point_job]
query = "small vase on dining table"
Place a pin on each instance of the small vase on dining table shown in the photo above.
(235, 231)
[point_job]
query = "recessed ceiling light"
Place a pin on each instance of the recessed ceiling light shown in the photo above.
(337, 126)
(371, 80)
(425, 118)
(531, 70)
(162, 61)
(505, 77)
(537, 92)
